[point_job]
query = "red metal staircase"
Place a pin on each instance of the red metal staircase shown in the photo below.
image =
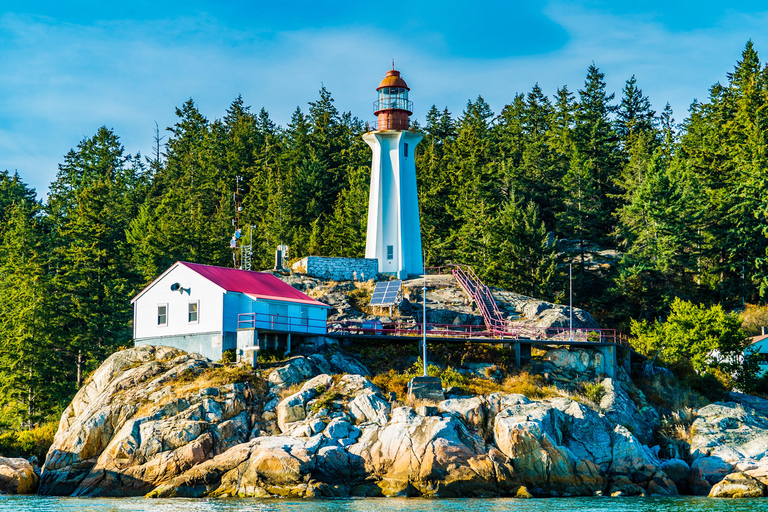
(482, 296)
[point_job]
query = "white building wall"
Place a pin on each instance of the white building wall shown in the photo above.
(200, 289)
(393, 207)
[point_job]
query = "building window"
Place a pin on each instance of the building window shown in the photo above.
(405, 150)
(304, 316)
(162, 314)
(193, 312)
(390, 252)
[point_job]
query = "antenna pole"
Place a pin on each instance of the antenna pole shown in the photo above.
(570, 286)
(424, 316)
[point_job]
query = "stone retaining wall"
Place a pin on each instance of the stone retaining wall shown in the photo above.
(339, 269)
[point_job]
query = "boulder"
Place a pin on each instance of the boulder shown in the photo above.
(586, 433)
(678, 471)
(638, 465)
(531, 436)
(618, 406)
(729, 434)
(433, 456)
(576, 360)
(319, 383)
(470, 410)
(17, 476)
(353, 384)
(738, 485)
(349, 365)
(293, 408)
(296, 370)
(711, 469)
(369, 407)
(339, 428)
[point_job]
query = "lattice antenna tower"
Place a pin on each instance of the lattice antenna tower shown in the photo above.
(242, 253)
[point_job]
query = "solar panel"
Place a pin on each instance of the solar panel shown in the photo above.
(385, 293)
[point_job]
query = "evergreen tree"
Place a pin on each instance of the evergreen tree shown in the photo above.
(90, 206)
(525, 255)
(32, 383)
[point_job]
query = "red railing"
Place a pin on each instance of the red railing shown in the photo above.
(514, 332)
(479, 292)
(280, 323)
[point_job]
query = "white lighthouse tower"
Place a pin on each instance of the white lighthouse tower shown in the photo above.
(394, 233)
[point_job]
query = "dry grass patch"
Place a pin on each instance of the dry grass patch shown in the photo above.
(191, 382)
(531, 386)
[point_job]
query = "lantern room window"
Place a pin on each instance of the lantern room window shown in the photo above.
(393, 97)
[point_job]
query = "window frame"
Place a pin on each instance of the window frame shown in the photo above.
(390, 252)
(162, 305)
(196, 312)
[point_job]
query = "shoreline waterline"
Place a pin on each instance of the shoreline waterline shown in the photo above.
(593, 504)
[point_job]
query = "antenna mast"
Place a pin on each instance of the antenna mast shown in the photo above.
(241, 252)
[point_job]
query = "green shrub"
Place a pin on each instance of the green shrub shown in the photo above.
(594, 391)
(269, 355)
(26, 443)
(229, 356)
(326, 400)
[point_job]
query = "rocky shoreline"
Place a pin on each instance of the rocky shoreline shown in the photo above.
(155, 421)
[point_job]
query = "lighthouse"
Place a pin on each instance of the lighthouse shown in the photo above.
(394, 234)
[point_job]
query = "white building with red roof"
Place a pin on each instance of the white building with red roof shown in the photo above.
(207, 309)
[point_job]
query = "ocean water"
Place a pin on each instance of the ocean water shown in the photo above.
(686, 504)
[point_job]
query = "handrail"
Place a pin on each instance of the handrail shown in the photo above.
(393, 103)
(515, 331)
(280, 322)
(499, 326)
(479, 292)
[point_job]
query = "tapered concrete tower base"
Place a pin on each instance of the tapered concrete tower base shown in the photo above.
(394, 232)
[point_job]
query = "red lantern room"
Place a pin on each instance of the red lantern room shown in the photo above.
(393, 107)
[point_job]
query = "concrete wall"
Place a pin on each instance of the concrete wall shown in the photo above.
(208, 344)
(339, 269)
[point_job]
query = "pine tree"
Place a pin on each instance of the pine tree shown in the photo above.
(525, 254)
(32, 380)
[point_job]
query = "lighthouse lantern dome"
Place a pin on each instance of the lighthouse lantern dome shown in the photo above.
(393, 107)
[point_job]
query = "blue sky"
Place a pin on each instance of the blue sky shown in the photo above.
(70, 67)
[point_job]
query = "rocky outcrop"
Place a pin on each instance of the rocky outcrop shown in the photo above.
(17, 476)
(140, 420)
(727, 436)
(156, 421)
(636, 414)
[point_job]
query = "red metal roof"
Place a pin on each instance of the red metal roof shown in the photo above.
(258, 285)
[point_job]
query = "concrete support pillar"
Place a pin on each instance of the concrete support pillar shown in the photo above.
(516, 348)
(288, 350)
(525, 353)
(247, 346)
(609, 360)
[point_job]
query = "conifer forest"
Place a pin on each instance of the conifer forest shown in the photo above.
(647, 209)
